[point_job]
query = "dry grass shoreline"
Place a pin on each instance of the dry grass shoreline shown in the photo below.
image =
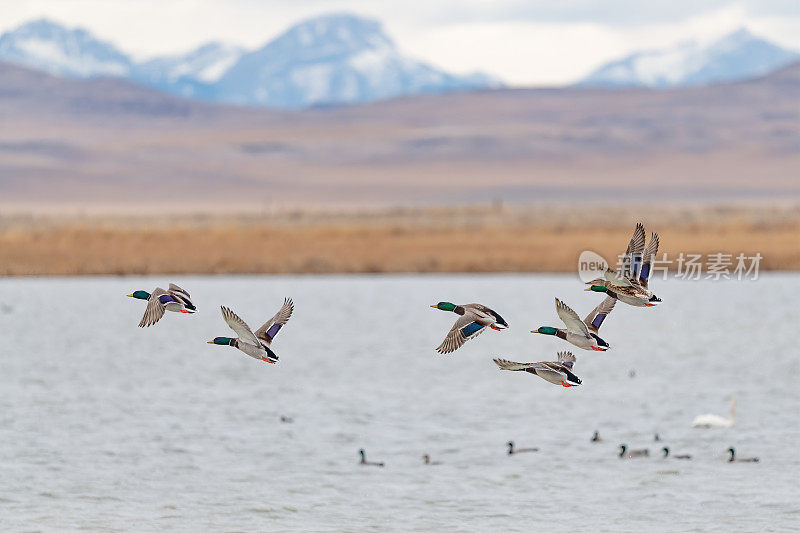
(465, 239)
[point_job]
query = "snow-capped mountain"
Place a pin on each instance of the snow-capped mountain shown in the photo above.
(333, 59)
(736, 56)
(207, 63)
(47, 46)
(191, 74)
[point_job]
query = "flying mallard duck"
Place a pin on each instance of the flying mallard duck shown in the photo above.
(174, 299)
(634, 295)
(474, 319)
(557, 373)
(582, 334)
(256, 345)
(630, 284)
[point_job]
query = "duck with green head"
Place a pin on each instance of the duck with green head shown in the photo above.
(364, 461)
(734, 459)
(625, 453)
(256, 345)
(632, 295)
(512, 450)
(630, 284)
(473, 320)
(173, 299)
(581, 333)
(665, 449)
(556, 372)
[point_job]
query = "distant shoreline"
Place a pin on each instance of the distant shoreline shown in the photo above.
(446, 240)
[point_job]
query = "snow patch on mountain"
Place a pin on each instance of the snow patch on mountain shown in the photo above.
(736, 56)
(47, 46)
(206, 64)
(333, 59)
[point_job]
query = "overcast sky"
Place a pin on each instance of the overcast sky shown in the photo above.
(524, 42)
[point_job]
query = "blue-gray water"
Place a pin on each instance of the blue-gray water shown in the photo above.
(105, 426)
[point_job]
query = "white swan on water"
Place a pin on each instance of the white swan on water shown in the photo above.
(711, 420)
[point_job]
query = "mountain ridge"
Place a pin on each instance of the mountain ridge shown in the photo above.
(110, 142)
(75, 52)
(735, 56)
(327, 60)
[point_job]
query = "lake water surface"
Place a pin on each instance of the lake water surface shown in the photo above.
(106, 426)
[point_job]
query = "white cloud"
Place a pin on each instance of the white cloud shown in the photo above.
(518, 53)
(709, 25)
(531, 53)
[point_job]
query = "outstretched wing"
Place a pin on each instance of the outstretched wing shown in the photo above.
(570, 319)
(511, 365)
(155, 307)
(239, 326)
(181, 296)
(616, 279)
(484, 313)
(463, 330)
(566, 359)
(272, 326)
(649, 255)
(175, 288)
(552, 372)
(632, 259)
(595, 319)
(488, 314)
